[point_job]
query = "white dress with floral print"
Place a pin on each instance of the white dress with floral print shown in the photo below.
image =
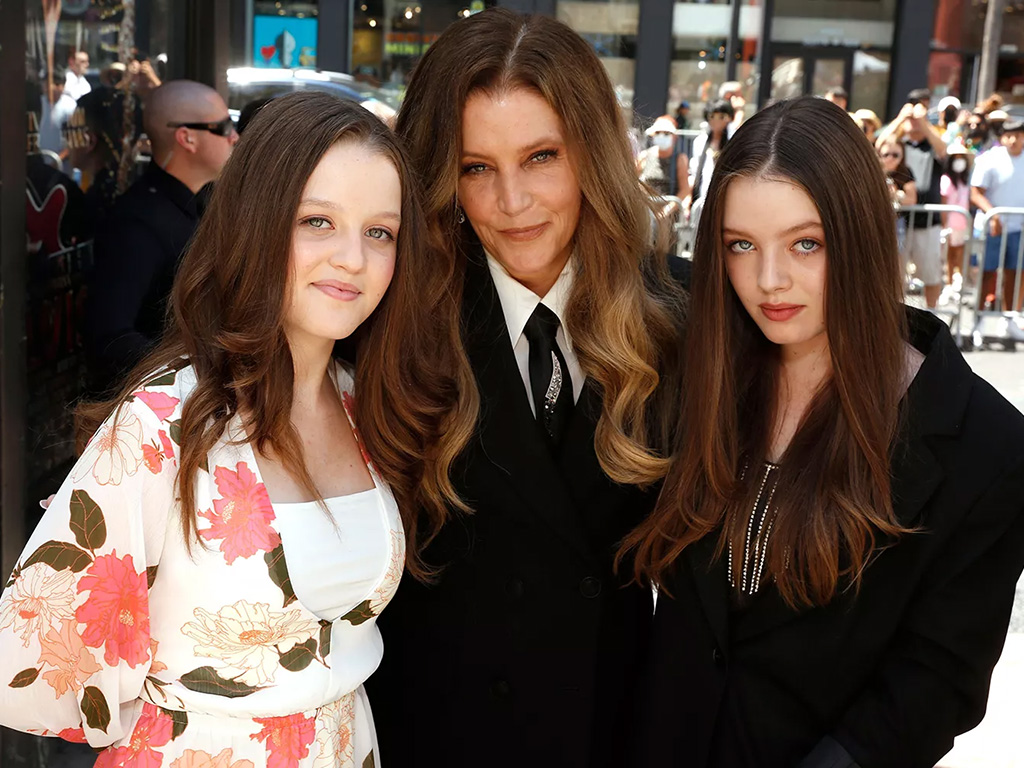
(249, 651)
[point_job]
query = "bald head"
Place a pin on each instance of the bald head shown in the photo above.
(179, 101)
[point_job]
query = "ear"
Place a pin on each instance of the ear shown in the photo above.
(184, 139)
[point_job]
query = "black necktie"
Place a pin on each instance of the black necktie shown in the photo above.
(550, 382)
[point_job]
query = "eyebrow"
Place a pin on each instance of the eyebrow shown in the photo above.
(546, 141)
(790, 230)
(321, 203)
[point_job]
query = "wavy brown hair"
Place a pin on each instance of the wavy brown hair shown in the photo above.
(623, 310)
(833, 496)
(228, 302)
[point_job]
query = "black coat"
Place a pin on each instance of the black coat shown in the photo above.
(137, 251)
(525, 650)
(883, 679)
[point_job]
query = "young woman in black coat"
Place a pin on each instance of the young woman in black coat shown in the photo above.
(837, 544)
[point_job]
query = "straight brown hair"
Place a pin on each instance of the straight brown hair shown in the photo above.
(833, 503)
(623, 311)
(227, 308)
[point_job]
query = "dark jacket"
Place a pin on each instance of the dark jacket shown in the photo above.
(525, 650)
(136, 255)
(882, 679)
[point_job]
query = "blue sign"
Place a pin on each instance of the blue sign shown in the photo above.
(284, 41)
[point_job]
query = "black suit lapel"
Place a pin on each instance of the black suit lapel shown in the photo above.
(510, 439)
(711, 579)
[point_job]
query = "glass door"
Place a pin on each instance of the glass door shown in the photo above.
(799, 70)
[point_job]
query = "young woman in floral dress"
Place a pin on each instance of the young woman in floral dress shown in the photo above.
(203, 589)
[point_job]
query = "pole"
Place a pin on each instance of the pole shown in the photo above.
(990, 47)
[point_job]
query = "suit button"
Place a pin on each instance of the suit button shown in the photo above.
(590, 587)
(500, 689)
(718, 657)
(514, 588)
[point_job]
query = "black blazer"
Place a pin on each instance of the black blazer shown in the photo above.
(883, 679)
(525, 650)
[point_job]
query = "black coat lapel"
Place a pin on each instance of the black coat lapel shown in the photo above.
(711, 580)
(510, 439)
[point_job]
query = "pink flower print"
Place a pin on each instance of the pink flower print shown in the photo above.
(77, 735)
(155, 666)
(72, 662)
(39, 600)
(350, 408)
(241, 517)
(117, 612)
(194, 758)
(168, 446)
(153, 458)
(287, 739)
(114, 451)
(153, 730)
(162, 405)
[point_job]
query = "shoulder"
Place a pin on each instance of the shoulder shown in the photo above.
(164, 390)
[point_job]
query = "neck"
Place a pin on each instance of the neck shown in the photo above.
(804, 367)
(310, 362)
(193, 178)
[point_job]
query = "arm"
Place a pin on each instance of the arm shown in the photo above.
(933, 682)
(909, 194)
(895, 126)
(75, 645)
(980, 200)
(682, 175)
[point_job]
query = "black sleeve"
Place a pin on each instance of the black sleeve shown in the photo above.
(128, 257)
(933, 682)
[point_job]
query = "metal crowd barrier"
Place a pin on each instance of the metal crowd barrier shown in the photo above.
(993, 319)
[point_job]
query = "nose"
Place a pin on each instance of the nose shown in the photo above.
(773, 271)
(513, 194)
(348, 253)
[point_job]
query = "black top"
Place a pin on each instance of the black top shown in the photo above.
(884, 678)
(136, 252)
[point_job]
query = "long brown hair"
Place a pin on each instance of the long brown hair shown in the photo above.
(833, 492)
(227, 306)
(622, 309)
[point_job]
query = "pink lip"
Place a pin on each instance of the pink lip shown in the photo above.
(524, 234)
(338, 290)
(780, 313)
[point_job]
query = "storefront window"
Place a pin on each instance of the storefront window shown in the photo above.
(390, 36)
(699, 66)
(610, 27)
(284, 34)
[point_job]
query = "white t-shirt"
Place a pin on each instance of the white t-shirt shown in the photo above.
(76, 86)
(1002, 178)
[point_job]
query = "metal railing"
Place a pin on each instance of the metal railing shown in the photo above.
(997, 311)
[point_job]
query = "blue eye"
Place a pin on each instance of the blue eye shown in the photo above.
(740, 246)
(379, 233)
(544, 155)
(473, 168)
(807, 245)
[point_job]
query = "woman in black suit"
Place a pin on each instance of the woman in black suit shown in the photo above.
(561, 323)
(838, 540)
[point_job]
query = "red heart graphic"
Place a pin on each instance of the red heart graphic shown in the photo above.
(268, 52)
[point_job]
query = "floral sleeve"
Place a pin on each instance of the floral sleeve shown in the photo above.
(75, 643)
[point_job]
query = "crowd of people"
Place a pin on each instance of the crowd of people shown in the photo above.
(395, 473)
(967, 158)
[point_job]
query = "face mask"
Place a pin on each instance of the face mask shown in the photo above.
(662, 140)
(959, 166)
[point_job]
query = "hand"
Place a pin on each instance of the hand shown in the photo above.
(906, 112)
(995, 226)
(738, 102)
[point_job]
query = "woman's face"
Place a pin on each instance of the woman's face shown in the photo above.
(718, 122)
(518, 185)
(892, 156)
(774, 246)
(344, 244)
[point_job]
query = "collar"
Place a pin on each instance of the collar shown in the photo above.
(940, 392)
(156, 179)
(518, 301)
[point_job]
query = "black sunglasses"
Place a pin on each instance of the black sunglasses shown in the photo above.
(224, 127)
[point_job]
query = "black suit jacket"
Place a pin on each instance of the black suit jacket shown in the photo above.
(137, 251)
(525, 650)
(883, 679)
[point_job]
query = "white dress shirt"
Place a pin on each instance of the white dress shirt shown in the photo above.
(76, 86)
(518, 303)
